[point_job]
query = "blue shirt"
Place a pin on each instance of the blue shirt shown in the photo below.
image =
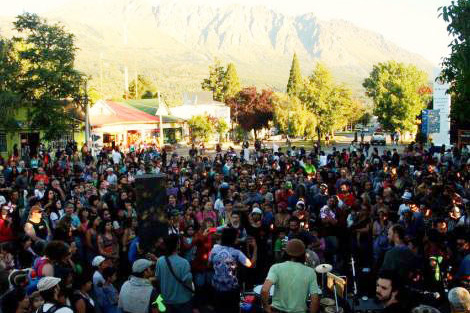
(225, 261)
(173, 291)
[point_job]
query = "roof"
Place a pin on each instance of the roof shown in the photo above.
(119, 113)
(150, 106)
(201, 97)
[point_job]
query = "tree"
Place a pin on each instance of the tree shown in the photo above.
(456, 67)
(201, 127)
(292, 116)
(395, 89)
(294, 85)
(231, 82)
(221, 128)
(365, 118)
(47, 76)
(252, 110)
(216, 81)
(9, 73)
(146, 89)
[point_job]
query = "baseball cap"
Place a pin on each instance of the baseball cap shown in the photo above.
(257, 211)
(406, 195)
(97, 260)
(141, 265)
(47, 283)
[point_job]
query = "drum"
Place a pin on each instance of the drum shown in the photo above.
(332, 309)
(325, 302)
(257, 290)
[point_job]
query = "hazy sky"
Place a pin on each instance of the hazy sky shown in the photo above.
(412, 24)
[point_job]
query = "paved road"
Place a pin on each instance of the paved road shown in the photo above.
(343, 141)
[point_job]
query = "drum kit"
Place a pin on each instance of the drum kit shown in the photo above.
(252, 300)
(328, 305)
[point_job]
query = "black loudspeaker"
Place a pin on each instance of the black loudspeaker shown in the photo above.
(150, 207)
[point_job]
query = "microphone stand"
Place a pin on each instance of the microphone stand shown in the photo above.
(355, 296)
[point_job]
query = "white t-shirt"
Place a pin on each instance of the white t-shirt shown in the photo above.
(39, 193)
(116, 157)
(64, 309)
(98, 279)
(55, 217)
(219, 206)
(402, 209)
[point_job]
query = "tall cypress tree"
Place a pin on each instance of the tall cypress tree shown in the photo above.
(215, 82)
(295, 78)
(231, 82)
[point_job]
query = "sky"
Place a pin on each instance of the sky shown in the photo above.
(412, 24)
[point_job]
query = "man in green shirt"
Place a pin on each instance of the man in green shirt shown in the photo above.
(293, 283)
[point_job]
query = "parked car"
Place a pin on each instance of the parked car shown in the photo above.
(378, 138)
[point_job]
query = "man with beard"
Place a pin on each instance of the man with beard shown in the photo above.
(388, 292)
(321, 199)
(400, 258)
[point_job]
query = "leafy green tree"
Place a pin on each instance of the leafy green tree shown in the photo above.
(216, 81)
(47, 76)
(292, 116)
(9, 73)
(93, 95)
(201, 127)
(365, 118)
(294, 85)
(146, 89)
(221, 128)
(395, 89)
(456, 67)
(252, 110)
(231, 82)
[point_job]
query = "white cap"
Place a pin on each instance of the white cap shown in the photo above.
(257, 211)
(407, 195)
(141, 265)
(47, 283)
(98, 260)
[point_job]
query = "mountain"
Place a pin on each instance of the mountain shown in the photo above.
(174, 42)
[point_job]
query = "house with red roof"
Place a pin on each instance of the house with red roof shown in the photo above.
(123, 124)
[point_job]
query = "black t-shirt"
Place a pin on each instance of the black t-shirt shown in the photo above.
(40, 229)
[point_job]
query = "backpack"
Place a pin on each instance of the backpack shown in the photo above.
(38, 265)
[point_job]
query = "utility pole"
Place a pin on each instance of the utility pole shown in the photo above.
(125, 25)
(136, 84)
(87, 117)
(160, 117)
(101, 73)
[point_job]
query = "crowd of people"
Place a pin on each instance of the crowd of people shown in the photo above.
(395, 223)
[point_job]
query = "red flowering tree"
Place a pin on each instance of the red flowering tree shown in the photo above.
(252, 110)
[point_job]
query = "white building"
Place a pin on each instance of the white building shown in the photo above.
(201, 103)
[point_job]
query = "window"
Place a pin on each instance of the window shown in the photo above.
(3, 142)
(62, 141)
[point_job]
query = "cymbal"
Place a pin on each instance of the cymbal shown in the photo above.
(323, 268)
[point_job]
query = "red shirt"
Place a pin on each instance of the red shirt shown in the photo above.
(348, 199)
(6, 232)
(203, 244)
(42, 177)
